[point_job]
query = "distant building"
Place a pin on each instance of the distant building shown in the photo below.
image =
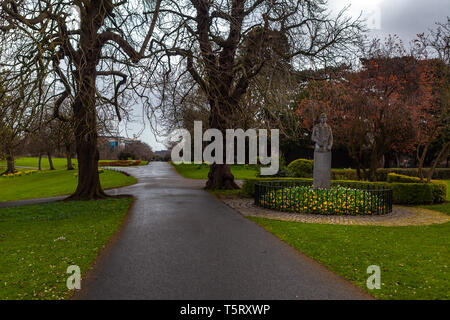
(117, 143)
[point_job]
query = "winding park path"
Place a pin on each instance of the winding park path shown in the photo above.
(179, 242)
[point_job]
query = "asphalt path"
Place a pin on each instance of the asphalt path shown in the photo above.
(179, 242)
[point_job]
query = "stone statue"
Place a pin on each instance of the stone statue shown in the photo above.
(323, 138)
(322, 135)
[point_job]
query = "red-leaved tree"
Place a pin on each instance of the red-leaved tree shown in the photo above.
(375, 109)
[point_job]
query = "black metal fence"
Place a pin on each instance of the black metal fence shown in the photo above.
(342, 199)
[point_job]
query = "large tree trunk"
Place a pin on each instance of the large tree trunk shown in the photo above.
(88, 178)
(10, 167)
(10, 164)
(86, 144)
(69, 158)
(87, 153)
(85, 116)
(85, 113)
(50, 161)
(220, 176)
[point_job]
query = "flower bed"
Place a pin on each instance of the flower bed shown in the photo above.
(339, 200)
(119, 163)
(19, 173)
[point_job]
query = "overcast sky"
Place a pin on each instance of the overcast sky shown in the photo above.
(406, 18)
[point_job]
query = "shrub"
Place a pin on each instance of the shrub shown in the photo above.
(344, 174)
(439, 173)
(434, 192)
(439, 191)
(248, 187)
(126, 156)
(283, 170)
(302, 168)
(382, 173)
(412, 193)
(394, 177)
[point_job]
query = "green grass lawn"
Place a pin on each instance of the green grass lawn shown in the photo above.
(235, 193)
(414, 261)
(33, 162)
(58, 163)
(142, 163)
(54, 183)
(197, 171)
(39, 242)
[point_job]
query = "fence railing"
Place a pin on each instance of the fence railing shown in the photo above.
(342, 199)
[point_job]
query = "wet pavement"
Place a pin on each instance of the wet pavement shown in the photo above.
(179, 242)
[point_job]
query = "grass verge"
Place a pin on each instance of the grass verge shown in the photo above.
(414, 260)
(33, 162)
(444, 207)
(58, 163)
(227, 194)
(39, 242)
(105, 163)
(200, 171)
(54, 183)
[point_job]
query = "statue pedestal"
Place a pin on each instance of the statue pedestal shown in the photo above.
(322, 170)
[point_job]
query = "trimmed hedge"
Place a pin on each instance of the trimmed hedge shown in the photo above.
(343, 174)
(394, 177)
(418, 193)
(439, 190)
(403, 193)
(302, 168)
(439, 173)
(382, 173)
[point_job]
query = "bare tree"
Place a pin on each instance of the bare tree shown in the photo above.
(18, 109)
(90, 49)
(62, 136)
(139, 150)
(435, 126)
(224, 45)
